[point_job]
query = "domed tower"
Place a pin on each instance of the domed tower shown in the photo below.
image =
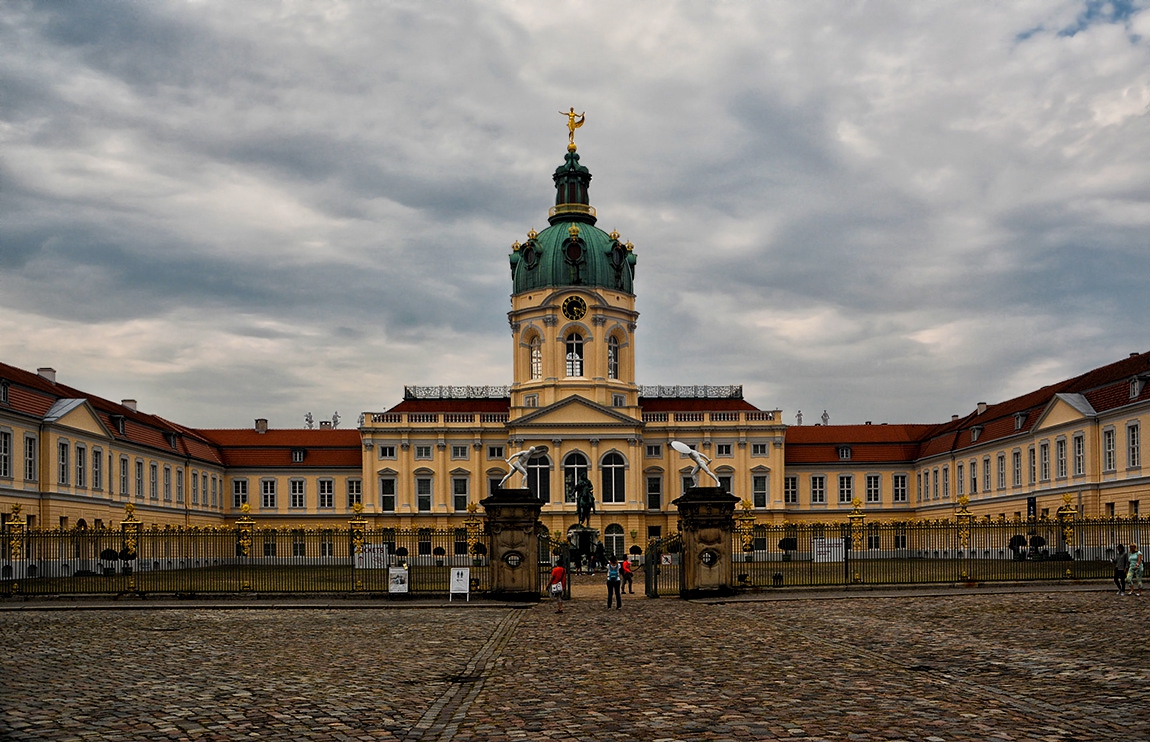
(573, 305)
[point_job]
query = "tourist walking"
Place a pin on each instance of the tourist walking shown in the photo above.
(628, 577)
(614, 573)
(557, 585)
(1134, 571)
(1121, 563)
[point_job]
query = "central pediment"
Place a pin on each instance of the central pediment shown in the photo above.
(575, 411)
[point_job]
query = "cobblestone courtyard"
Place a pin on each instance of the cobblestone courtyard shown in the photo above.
(1021, 666)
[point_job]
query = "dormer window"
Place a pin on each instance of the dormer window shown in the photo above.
(1019, 420)
(844, 453)
(3, 392)
(118, 423)
(1136, 386)
(297, 455)
(975, 432)
(171, 439)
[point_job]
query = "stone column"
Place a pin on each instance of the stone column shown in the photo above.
(513, 523)
(707, 522)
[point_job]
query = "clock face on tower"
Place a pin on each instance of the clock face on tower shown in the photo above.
(574, 307)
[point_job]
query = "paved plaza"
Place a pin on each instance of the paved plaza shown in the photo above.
(953, 665)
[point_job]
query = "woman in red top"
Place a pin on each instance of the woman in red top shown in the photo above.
(557, 585)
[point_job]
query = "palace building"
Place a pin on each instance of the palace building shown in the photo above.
(71, 459)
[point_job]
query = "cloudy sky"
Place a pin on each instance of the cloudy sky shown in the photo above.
(888, 210)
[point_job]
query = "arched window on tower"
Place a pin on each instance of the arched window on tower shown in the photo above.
(574, 354)
(614, 476)
(612, 357)
(536, 358)
(574, 467)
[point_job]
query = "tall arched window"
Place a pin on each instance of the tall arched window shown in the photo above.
(574, 354)
(574, 467)
(536, 357)
(612, 357)
(613, 543)
(539, 477)
(614, 476)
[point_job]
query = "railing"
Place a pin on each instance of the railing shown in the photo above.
(237, 560)
(423, 417)
(662, 566)
(715, 417)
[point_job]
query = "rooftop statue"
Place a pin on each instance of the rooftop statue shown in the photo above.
(700, 462)
(574, 121)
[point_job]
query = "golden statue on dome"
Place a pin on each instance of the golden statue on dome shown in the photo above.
(574, 121)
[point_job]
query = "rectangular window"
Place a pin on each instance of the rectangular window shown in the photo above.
(196, 489)
(124, 476)
(918, 487)
(986, 474)
(298, 545)
(239, 491)
(926, 485)
(873, 488)
(724, 485)
(873, 541)
(790, 490)
(387, 452)
(973, 477)
(387, 495)
(844, 453)
(618, 400)
(325, 493)
(1109, 462)
(1079, 455)
(354, 492)
(1001, 471)
(423, 452)
(268, 494)
(530, 400)
(65, 467)
(81, 466)
(758, 449)
(153, 481)
(934, 494)
(1060, 458)
(759, 490)
(846, 488)
(215, 482)
(97, 469)
(1032, 465)
(818, 489)
(723, 449)
(495, 452)
(960, 477)
(1016, 466)
(423, 494)
(654, 493)
(269, 546)
(30, 472)
(654, 451)
(459, 494)
(167, 484)
(459, 452)
(179, 485)
(898, 487)
(946, 482)
(297, 494)
(139, 479)
(1133, 446)
(5, 454)
(900, 541)
(688, 483)
(1044, 462)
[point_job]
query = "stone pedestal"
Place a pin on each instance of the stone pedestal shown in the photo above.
(707, 522)
(513, 522)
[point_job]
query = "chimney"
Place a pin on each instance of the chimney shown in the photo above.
(981, 407)
(129, 403)
(954, 418)
(867, 422)
(47, 373)
(325, 424)
(261, 425)
(1135, 355)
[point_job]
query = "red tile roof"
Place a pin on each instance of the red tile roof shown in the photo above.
(820, 444)
(323, 448)
(453, 405)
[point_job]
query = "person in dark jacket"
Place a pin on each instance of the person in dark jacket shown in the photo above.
(1121, 562)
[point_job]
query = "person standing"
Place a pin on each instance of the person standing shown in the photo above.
(557, 585)
(613, 579)
(1121, 563)
(1134, 571)
(628, 578)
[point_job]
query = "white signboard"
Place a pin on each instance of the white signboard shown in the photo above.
(371, 556)
(827, 549)
(460, 582)
(397, 580)
(665, 559)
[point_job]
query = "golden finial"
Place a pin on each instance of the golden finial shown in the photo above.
(357, 508)
(614, 234)
(574, 121)
(515, 246)
(246, 509)
(16, 508)
(532, 234)
(629, 246)
(472, 507)
(573, 230)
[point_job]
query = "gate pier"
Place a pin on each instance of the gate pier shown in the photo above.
(707, 522)
(512, 522)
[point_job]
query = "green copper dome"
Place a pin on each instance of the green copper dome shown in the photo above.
(572, 251)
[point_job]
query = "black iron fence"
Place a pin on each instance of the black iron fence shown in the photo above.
(918, 552)
(234, 560)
